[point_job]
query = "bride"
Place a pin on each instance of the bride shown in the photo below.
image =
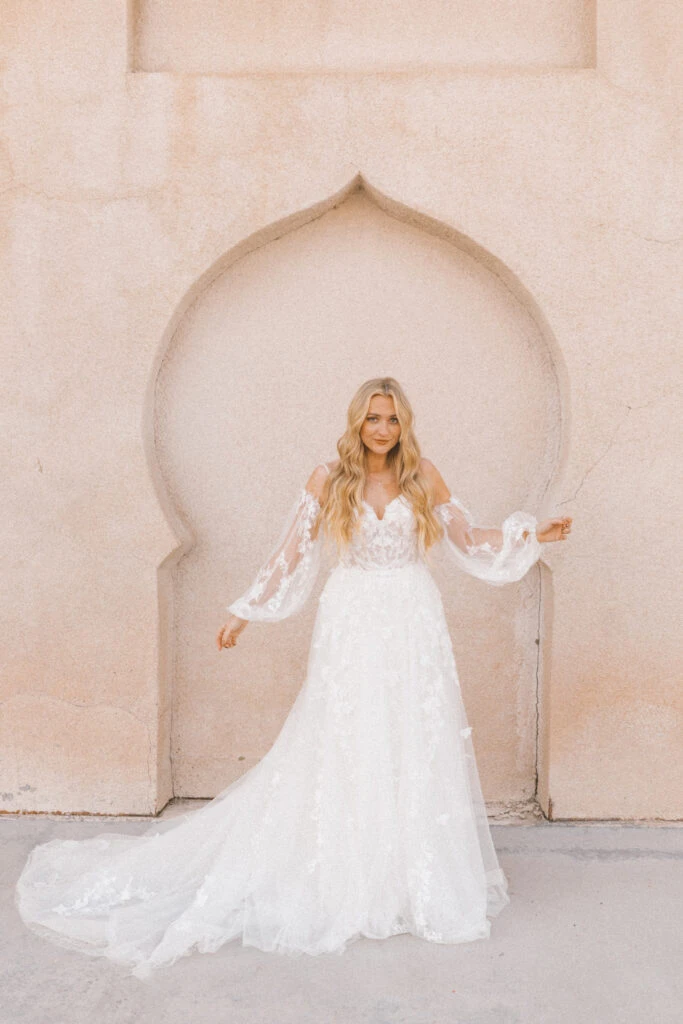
(366, 816)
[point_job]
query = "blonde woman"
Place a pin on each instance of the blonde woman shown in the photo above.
(366, 816)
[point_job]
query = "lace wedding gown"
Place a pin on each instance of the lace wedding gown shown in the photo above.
(366, 815)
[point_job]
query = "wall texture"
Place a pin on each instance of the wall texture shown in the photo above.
(201, 264)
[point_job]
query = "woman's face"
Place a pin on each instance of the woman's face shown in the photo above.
(380, 430)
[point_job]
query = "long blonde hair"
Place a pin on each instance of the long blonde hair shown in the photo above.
(341, 510)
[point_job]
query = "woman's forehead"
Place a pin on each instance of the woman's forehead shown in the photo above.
(381, 403)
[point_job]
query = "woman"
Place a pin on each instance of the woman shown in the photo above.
(366, 816)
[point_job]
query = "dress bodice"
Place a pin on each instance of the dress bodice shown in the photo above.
(389, 542)
(283, 583)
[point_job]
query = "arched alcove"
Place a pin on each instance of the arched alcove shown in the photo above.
(251, 392)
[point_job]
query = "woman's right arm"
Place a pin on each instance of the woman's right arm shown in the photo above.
(284, 582)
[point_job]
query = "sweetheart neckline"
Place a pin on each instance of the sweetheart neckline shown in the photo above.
(388, 504)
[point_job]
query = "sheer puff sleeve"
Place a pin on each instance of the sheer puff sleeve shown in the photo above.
(284, 582)
(497, 555)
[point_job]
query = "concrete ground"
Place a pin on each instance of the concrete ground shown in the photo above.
(593, 935)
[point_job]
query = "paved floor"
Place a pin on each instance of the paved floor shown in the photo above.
(593, 935)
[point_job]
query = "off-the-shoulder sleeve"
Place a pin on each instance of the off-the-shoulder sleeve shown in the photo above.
(285, 581)
(497, 555)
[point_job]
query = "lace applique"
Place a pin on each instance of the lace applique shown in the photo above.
(495, 555)
(365, 816)
(284, 582)
(389, 542)
(107, 890)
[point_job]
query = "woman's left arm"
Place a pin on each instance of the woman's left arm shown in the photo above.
(497, 555)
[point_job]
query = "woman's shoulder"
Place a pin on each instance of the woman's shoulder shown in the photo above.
(317, 482)
(440, 492)
(428, 469)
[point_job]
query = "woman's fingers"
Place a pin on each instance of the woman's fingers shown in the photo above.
(227, 636)
(555, 529)
(564, 526)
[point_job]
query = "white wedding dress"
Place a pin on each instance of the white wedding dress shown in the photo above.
(366, 815)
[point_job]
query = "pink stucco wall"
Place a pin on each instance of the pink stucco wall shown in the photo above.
(501, 235)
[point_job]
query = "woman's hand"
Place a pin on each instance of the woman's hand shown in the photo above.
(227, 634)
(554, 529)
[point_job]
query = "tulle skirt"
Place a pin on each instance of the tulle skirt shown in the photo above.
(364, 818)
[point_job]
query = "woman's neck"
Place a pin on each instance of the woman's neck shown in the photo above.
(376, 464)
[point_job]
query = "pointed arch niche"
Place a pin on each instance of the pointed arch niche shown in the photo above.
(250, 391)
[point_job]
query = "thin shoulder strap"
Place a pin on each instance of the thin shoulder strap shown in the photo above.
(326, 467)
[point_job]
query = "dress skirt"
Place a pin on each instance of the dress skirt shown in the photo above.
(364, 818)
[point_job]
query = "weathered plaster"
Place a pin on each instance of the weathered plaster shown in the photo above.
(122, 192)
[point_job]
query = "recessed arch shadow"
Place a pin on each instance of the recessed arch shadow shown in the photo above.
(549, 460)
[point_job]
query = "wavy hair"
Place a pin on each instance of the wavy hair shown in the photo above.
(342, 508)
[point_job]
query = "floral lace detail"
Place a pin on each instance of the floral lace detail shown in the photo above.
(107, 890)
(389, 542)
(497, 556)
(284, 582)
(366, 815)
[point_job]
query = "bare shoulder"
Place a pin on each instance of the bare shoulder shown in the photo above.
(317, 481)
(440, 492)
